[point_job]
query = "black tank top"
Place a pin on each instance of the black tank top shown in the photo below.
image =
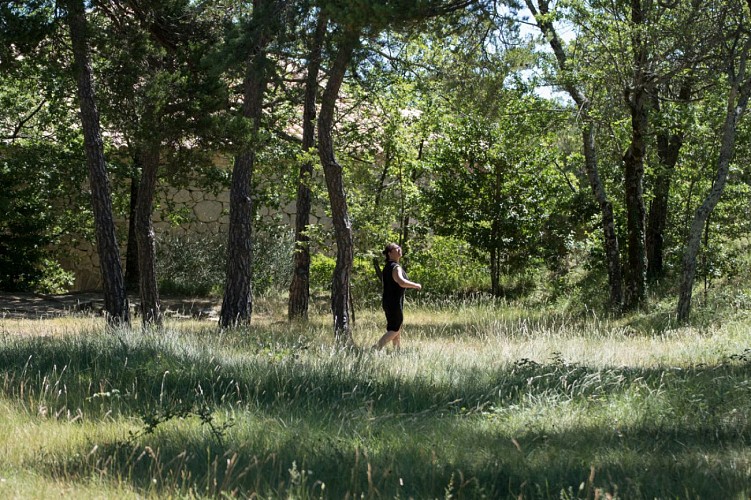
(393, 293)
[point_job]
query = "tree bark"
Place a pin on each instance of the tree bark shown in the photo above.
(610, 238)
(148, 288)
(131, 252)
(633, 162)
(237, 305)
(736, 105)
(668, 149)
(340, 285)
(637, 100)
(299, 290)
(495, 264)
(115, 298)
(607, 218)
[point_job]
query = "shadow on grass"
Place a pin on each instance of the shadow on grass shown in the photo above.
(362, 430)
(427, 461)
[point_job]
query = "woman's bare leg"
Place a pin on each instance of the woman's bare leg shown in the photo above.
(390, 336)
(397, 340)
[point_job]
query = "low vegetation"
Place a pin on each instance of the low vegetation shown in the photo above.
(484, 400)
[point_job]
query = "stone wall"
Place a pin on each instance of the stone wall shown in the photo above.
(179, 211)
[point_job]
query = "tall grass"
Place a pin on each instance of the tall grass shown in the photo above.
(483, 400)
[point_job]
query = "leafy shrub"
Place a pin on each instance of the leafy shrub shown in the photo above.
(273, 247)
(364, 281)
(194, 264)
(321, 271)
(446, 266)
(191, 264)
(41, 200)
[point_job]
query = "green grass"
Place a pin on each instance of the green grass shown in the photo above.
(482, 400)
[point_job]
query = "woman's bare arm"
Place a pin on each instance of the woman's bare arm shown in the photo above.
(403, 282)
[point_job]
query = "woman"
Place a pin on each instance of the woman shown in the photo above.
(394, 284)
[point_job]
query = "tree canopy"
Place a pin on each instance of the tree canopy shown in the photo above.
(559, 146)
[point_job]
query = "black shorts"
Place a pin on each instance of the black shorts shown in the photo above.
(394, 318)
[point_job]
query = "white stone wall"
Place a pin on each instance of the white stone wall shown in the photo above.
(199, 212)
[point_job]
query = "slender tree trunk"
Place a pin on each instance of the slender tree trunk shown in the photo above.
(115, 298)
(705, 260)
(736, 105)
(340, 286)
(149, 291)
(637, 99)
(299, 290)
(495, 233)
(237, 305)
(610, 238)
(633, 161)
(131, 252)
(495, 264)
(607, 217)
(668, 148)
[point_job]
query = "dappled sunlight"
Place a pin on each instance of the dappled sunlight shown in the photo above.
(481, 402)
(65, 325)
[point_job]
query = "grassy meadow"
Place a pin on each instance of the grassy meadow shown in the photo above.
(482, 401)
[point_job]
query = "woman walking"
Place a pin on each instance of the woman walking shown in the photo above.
(394, 284)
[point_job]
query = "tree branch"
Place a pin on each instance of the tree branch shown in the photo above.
(24, 121)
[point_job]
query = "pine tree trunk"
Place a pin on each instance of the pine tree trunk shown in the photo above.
(237, 305)
(237, 301)
(340, 285)
(299, 290)
(148, 289)
(115, 298)
(131, 252)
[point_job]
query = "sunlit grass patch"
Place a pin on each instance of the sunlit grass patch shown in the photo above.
(480, 401)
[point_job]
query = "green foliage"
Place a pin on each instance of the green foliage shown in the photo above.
(273, 244)
(191, 265)
(23, 26)
(448, 266)
(377, 16)
(194, 264)
(40, 204)
(365, 282)
(487, 187)
(321, 271)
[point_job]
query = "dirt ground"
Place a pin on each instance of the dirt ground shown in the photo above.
(37, 306)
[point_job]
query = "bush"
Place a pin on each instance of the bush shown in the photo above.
(273, 247)
(447, 266)
(321, 271)
(41, 200)
(365, 283)
(193, 264)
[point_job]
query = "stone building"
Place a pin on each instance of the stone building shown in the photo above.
(199, 212)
